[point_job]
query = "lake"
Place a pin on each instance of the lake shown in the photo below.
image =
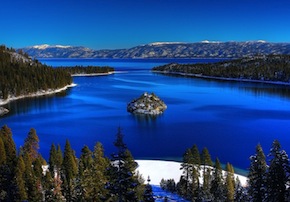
(229, 118)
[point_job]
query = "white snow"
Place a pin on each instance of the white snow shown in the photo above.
(157, 170)
(44, 46)
(41, 47)
(164, 43)
(207, 41)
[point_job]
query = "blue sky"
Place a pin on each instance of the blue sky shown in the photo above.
(112, 24)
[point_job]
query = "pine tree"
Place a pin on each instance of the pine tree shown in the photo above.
(52, 159)
(69, 172)
(148, 193)
(122, 183)
(230, 182)
(32, 186)
(217, 182)
(196, 155)
(257, 175)
(207, 169)
(31, 144)
(95, 178)
(20, 170)
(188, 174)
(278, 173)
(8, 190)
(2, 153)
(240, 192)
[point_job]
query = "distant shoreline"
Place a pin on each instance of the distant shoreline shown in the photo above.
(93, 74)
(224, 78)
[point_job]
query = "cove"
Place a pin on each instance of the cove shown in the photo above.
(229, 118)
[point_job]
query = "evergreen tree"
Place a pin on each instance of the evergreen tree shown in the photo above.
(217, 182)
(2, 153)
(257, 175)
(207, 170)
(69, 172)
(52, 159)
(8, 184)
(95, 178)
(122, 183)
(240, 192)
(188, 174)
(278, 173)
(31, 183)
(230, 183)
(148, 193)
(195, 155)
(31, 144)
(20, 170)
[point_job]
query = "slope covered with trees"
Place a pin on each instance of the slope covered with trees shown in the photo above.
(25, 175)
(20, 75)
(272, 68)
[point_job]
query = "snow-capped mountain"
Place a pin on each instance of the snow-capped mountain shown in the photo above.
(203, 49)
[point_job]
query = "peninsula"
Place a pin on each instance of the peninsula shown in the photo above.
(148, 104)
(272, 69)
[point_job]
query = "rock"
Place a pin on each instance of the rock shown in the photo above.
(3, 111)
(148, 104)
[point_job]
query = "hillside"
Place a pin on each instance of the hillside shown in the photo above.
(203, 49)
(271, 69)
(20, 75)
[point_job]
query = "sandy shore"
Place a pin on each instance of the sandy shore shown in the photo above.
(157, 170)
(224, 78)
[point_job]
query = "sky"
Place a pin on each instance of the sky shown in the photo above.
(115, 24)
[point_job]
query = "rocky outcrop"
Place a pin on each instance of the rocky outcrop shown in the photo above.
(148, 104)
(3, 111)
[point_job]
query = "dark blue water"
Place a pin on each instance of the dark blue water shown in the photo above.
(229, 118)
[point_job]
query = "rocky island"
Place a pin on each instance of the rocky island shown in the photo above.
(148, 104)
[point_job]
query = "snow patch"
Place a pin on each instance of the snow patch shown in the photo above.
(45, 46)
(157, 170)
(164, 43)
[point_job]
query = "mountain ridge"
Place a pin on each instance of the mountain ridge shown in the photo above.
(203, 49)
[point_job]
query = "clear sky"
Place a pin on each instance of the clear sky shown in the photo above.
(112, 24)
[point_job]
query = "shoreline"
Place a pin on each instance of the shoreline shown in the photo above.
(93, 74)
(224, 78)
(36, 94)
(158, 169)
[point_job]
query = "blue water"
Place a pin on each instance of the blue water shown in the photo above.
(229, 118)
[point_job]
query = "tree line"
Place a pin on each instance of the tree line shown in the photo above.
(21, 75)
(87, 69)
(25, 176)
(265, 68)
(203, 180)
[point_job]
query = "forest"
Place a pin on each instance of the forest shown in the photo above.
(21, 75)
(26, 176)
(263, 68)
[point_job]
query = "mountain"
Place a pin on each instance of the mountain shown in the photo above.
(204, 49)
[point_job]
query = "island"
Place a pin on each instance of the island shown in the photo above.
(148, 104)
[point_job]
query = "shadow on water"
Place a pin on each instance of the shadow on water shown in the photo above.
(257, 89)
(29, 104)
